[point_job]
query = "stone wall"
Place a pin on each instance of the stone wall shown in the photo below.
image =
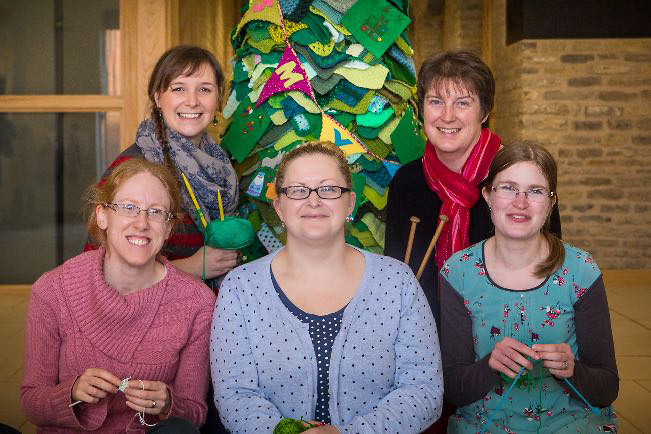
(462, 25)
(589, 102)
(426, 28)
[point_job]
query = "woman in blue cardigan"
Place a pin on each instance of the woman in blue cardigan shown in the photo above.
(320, 330)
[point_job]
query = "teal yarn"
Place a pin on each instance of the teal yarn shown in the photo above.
(232, 233)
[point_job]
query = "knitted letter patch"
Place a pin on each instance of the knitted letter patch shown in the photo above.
(289, 75)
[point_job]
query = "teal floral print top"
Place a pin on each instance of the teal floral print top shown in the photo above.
(538, 402)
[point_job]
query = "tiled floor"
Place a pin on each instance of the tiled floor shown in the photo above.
(629, 297)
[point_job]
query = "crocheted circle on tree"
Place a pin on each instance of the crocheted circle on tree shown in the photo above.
(232, 233)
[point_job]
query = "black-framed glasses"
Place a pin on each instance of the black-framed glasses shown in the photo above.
(298, 192)
(509, 192)
(131, 210)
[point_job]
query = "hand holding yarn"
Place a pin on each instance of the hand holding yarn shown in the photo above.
(559, 359)
(322, 429)
(218, 262)
(509, 355)
(151, 397)
(94, 384)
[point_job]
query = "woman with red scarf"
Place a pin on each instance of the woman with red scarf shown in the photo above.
(455, 94)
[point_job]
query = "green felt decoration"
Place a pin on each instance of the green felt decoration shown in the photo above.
(359, 181)
(255, 220)
(248, 124)
(350, 239)
(232, 233)
(374, 120)
(276, 100)
(344, 118)
(399, 72)
(239, 72)
(407, 138)
(375, 24)
(366, 132)
(319, 31)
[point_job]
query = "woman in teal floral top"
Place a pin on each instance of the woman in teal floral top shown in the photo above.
(525, 302)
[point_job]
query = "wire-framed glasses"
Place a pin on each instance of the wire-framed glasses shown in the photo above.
(298, 192)
(509, 192)
(131, 210)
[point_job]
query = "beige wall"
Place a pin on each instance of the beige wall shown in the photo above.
(589, 102)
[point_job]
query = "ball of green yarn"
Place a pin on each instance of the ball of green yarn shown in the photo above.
(289, 426)
(232, 233)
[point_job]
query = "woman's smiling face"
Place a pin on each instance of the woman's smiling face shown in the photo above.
(313, 218)
(134, 242)
(452, 119)
(189, 103)
(522, 217)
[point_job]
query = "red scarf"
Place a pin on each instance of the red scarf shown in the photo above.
(458, 191)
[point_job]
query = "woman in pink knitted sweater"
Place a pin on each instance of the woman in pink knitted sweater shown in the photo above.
(117, 338)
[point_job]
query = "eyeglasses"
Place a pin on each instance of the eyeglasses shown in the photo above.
(298, 192)
(130, 210)
(507, 191)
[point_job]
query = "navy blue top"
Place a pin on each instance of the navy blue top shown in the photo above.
(323, 331)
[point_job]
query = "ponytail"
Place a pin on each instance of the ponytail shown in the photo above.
(554, 259)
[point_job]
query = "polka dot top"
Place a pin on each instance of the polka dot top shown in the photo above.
(323, 331)
(383, 364)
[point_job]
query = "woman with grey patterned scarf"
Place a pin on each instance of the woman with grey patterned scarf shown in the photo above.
(184, 92)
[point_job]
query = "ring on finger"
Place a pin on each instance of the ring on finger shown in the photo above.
(153, 404)
(565, 364)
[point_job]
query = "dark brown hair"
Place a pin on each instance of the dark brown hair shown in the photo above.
(309, 148)
(461, 69)
(532, 152)
(104, 191)
(177, 61)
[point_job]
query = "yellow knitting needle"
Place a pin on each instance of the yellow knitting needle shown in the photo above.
(194, 200)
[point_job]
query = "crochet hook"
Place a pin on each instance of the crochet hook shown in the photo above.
(442, 220)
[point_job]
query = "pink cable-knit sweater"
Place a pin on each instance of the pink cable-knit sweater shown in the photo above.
(76, 321)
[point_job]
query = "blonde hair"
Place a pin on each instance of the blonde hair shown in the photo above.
(310, 148)
(104, 191)
(520, 152)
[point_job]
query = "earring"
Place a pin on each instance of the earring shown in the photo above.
(215, 121)
(282, 223)
(349, 218)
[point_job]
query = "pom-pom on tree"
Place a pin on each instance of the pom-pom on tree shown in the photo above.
(337, 70)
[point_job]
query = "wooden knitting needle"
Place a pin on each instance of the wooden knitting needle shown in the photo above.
(410, 243)
(442, 220)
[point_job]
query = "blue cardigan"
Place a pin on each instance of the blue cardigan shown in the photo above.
(385, 367)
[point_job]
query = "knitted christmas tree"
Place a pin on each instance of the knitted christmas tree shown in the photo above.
(337, 70)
